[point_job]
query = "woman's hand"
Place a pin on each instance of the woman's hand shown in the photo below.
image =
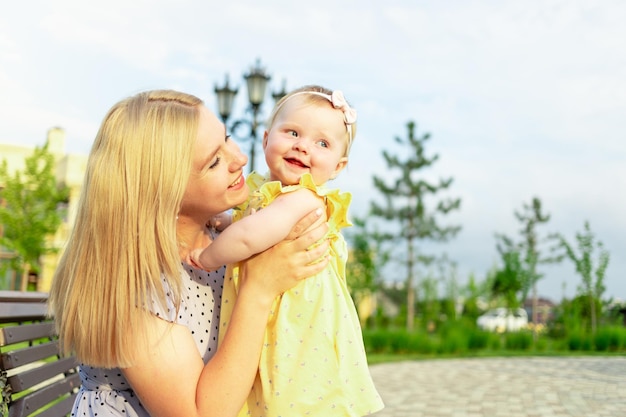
(301, 255)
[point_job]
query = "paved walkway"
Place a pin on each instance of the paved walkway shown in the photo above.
(503, 387)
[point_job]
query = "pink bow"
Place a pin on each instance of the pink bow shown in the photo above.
(339, 102)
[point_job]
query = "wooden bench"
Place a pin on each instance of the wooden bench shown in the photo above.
(34, 379)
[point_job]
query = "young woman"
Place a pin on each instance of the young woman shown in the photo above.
(142, 322)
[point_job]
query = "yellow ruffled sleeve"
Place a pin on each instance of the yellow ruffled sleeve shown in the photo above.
(263, 192)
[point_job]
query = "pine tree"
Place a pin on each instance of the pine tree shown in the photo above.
(406, 200)
(30, 212)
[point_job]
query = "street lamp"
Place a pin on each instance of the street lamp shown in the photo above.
(256, 82)
(277, 95)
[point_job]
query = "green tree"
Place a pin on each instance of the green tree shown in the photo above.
(507, 283)
(405, 203)
(592, 279)
(451, 303)
(430, 303)
(471, 294)
(30, 212)
(529, 249)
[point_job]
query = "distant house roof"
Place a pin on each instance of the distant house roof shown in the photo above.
(541, 302)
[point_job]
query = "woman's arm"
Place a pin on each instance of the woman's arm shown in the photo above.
(171, 379)
(257, 232)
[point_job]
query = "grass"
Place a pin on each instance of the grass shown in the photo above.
(389, 345)
(378, 358)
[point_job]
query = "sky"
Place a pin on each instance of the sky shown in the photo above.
(522, 99)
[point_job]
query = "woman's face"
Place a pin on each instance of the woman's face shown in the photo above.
(216, 182)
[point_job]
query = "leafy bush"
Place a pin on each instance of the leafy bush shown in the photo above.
(518, 341)
(541, 344)
(454, 341)
(457, 337)
(478, 339)
(410, 342)
(376, 341)
(579, 341)
(609, 338)
(400, 342)
(397, 341)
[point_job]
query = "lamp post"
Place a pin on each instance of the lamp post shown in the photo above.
(256, 83)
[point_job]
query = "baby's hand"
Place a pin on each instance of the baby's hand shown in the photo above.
(193, 258)
(221, 221)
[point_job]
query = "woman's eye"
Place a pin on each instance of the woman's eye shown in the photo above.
(215, 163)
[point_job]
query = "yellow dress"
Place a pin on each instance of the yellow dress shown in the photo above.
(313, 361)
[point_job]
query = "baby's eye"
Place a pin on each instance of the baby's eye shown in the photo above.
(323, 143)
(293, 133)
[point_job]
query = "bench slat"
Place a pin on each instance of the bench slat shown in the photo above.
(59, 410)
(34, 376)
(32, 402)
(21, 296)
(28, 355)
(25, 332)
(15, 311)
(30, 378)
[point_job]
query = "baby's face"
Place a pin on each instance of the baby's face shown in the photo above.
(306, 137)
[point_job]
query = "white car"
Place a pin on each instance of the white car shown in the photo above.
(502, 319)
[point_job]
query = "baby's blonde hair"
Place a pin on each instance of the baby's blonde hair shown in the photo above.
(317, 96)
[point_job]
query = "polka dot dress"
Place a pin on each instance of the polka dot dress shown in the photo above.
(105, 392)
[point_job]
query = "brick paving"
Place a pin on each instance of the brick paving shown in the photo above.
(503, 387)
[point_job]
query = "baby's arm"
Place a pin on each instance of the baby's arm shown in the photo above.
(258, 232)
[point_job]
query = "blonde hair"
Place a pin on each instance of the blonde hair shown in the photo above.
(311, 99)
(123, 250)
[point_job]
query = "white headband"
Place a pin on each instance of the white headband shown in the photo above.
(339, 102)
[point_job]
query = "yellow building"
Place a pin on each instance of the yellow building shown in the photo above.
(70, 170)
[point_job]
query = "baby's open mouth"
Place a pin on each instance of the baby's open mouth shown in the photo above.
(296, 162)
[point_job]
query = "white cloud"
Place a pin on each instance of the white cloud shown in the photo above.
(521, 98)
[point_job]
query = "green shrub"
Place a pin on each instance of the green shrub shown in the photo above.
(556, 331)
(423, 343)
(400, 342)
(397, 341)
(518, 340)
(411, 342)
(495, 341)
(454, 341)
(574, 341)
(542, 344)
(579, 341)
(376, 341)
(477, 339)
(608, 338)
(457, 337)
